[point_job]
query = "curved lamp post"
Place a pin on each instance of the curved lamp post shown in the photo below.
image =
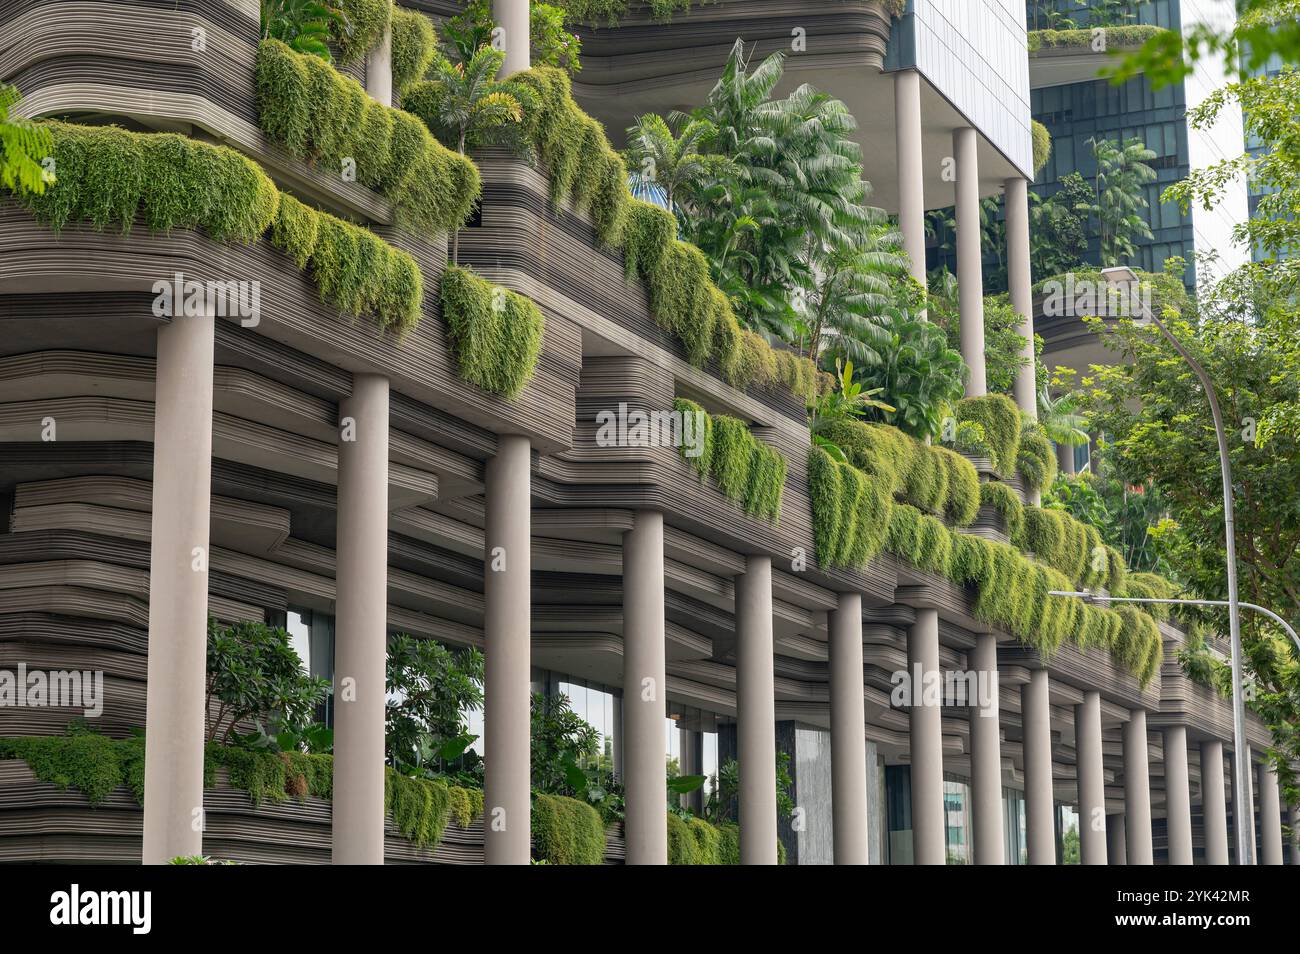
(1240, 768)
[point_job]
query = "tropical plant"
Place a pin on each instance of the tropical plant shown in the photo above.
(255, 676)
(1058, 226)
(1061, 419)
(847, 400)
(672, 164)
(726, 789)
(24, 146)
(465, 103)
(305, 26)
(1119, 185)
(430, 689)
(549, 42)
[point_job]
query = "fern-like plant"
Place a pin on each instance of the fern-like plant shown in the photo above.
(24, 145)
(303, 25)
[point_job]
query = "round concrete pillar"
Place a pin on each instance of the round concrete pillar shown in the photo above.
(512, 17)
(1213, 803)
(1178, 799)
(1270, 816)
(848, 741)
(1092, 784)
(507, 692)
(986, 756)
(756, 713)
(929, 830)
(1040, 804)
(178, 590)
(970, 259)
(644, 767)
(1137, 789)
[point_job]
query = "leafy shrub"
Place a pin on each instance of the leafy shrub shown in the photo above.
(321, 116)
(430, 687)
(745, 469)
(566, 831)
(496, 334)
(360, 28)
(999, 418)
(1035, 458)
(1004, 500)
(414, 46)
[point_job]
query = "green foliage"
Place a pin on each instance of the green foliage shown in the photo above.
(495, 333)
(355, 271)
(24, 145)
(916, 372)
(919, 540)
(414, 46)
(254, 674)
(1121, 179)
(1042, 144)
(92, 764)
(1116, 37)
(745, 469)
(584, 168)
(566, 831)
(999, 417)
(321, 116)
(1058, 226)
(1148, 586)
(107, 176)
(429, 689)
(551, 44)
(422, 808)
(360, 28)
(1005, 501)
(306, 26)
(1036, 457)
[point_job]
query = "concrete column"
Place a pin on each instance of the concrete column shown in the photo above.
(756, 713)
(1065, 458)
(970, 265)
(1137, 789)
(986, 757)
(1213, 807)
(1270, 816)
(512, 17)
(1092, 783)
(929, 844)
(507, 625)
(178, 590)
(1294, 847)
(911, 177)
(379, 70)
(361, 624)
(643, 690)
(1116, 840)
(1021, 283)
(848, 742)
(1040, 805)
(1178, 800)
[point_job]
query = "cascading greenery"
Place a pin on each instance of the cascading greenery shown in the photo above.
(360, 27)
(1035, 457)
(414, 46)
(586, 170)
(321, 116)
(999, 418)
(355, 271)
(496, 334)
(892, 493)
(107, 177)
(745, 469)
(97, 765)
(566, 831)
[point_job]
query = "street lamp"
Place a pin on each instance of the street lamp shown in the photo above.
(1240, 768)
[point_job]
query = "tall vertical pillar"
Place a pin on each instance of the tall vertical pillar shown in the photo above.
(986, 756)
(756, 713)
(507, 629)
(1213, 806)
(848, 742)
(929, 843)
(970, 264)
(1116, 841)
(1137, 789)
(1020, 284)
(178, 590)
(1178, 799)
(1040, 805)
(644, 769)
(512, 17)
(1092, 782)
(911, 177)
(379, 70)
(361, 623)
(1270, 816)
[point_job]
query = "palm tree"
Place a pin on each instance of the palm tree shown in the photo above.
(1122, 175)
(23, 147)
(854, 288)
(674, 163)
(304, 25)
(1061, 419)
(464, 102)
